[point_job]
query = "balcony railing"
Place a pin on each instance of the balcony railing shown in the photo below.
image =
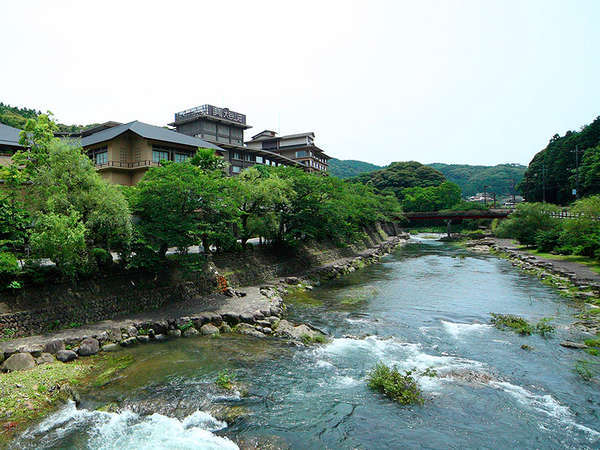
(128, 165)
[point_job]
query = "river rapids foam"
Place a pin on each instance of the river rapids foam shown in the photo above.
(128, 430)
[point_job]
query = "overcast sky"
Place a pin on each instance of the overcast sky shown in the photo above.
(477, 82)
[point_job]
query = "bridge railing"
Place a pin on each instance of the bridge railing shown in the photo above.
(571, 215)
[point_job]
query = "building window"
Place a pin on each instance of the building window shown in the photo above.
(181, 157)
(301, 154)
(236, 155)
(248, 156)
(236, 169)
(158, 156)
(259, 159)
(101, 157)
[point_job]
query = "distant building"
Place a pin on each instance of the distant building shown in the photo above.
(298, 147)
(225, 128)
(9, 143)
(124, 152)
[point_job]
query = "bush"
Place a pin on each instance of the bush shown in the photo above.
(528, 220)
(9, 267)
(516, 323)
(102, 257)
(402, 388)
(546, 241)
(225, 380)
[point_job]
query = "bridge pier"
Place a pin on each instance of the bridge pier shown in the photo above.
(448, 226)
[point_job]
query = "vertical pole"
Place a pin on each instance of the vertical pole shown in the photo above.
(484, 196)
(544, 182)
(577, 171)
(448, 223)
(494, 194)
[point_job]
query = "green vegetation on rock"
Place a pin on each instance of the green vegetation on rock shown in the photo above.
(400, 387)
(521, 326)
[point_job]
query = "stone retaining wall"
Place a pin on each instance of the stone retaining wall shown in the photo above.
(39, 309)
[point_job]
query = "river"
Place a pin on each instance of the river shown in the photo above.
(425, 306)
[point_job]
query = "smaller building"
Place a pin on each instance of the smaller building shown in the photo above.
(124, 152)
(9, 143)
(297, 147)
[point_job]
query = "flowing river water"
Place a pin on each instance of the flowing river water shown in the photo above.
(425, 306)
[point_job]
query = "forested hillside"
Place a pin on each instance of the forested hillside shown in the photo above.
(349, 167)
(553, 169)
(401, 175)
(16, 117)
(501, 179)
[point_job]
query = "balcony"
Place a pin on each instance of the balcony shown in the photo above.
(127, 165)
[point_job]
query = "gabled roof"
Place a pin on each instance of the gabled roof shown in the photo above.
(260, 137)
(146, 131)
(268, 133)
(9, 136)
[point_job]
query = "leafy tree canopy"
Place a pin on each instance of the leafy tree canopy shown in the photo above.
(400, 175)
(502, 179)
(554, 167)
(349, 167)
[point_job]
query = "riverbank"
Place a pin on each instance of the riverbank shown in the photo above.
(575, 281)
(257, 311)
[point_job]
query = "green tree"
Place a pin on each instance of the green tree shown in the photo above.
(206, 159)
(432, 198)
(61, 238)
(527, 221)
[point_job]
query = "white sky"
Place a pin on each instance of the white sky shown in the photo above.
(477, 82)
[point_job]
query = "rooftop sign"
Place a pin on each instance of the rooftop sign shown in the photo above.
(213, 111)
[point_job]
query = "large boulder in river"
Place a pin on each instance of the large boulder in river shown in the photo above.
(18, 361)
(89, 346)
(299, 333)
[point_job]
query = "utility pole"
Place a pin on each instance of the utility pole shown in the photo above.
(485, 195)
(494, 195)
(513, 190)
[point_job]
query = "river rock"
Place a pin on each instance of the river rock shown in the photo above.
(112, 347)
(247, 329)
(45, 358)
(209, 329)
(297, 333)
(247, 317)
(191, 331)
(18, 361)
(132, 331)
(225, 328)
(174, 332)
(160, 337)
(143, 338)
(128, 342)
(292, 280)
(89, 347)
(114, 334)
(571, 344)
(54, 346)
(231, 318)
(34, 349)
(66, 355)
(1, 357)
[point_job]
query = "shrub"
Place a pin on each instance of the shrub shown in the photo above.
(543, 327)
(547, 240)
(102, 257)
(516, 323)
(9, 267)
(402, 388)
(225, 380)
(528, 220)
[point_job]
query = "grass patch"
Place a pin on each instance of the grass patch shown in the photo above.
(29, 395)
(316, 338)
(515, 323)
(185, 326)
(225, 380)
(400, 387)
(521, 326)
